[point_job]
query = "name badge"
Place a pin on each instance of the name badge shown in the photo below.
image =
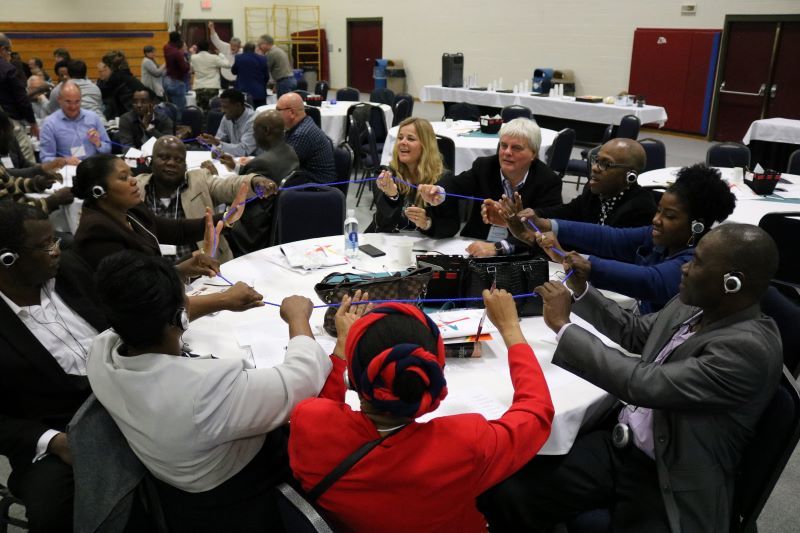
(7, 162)
(497, 234)
(168, 249)
(78, 151)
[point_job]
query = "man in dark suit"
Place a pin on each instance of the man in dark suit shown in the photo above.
(710, 363)
(47, 322)
(251, 74)
(516, 168)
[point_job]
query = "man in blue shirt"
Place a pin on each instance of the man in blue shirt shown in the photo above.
(72, 132)
(235, 133)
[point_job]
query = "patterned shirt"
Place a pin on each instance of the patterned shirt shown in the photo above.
(314, 150)
(169, 208)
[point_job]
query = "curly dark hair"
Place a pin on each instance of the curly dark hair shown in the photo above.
(706, 196)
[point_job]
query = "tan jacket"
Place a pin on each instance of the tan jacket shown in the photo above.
(206, 190)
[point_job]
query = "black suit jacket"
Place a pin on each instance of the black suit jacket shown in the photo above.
(35, 392)
(636, 208)
(542, 189)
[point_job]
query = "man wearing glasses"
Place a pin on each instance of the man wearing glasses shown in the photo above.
(47, 322)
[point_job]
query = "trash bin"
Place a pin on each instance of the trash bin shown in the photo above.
(310, 75)
(396, 77)
(542, 80)
(379, 73)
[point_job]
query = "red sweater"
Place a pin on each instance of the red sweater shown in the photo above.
(427, 476)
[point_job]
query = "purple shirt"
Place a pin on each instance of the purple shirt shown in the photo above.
(640, 419)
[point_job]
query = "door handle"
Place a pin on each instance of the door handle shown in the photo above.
(759, 93)
(773, 90)
(367, 59)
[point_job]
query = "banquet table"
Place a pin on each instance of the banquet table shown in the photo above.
(470, 144)
(772, 141)
(564, 108)
(750, 207)
(333, 117)
(483, 385)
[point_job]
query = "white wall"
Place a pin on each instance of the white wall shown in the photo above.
(507, 38)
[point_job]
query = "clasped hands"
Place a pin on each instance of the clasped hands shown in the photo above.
(417, 215)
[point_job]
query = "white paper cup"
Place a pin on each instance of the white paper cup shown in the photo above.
(402, 252)
(448, 122)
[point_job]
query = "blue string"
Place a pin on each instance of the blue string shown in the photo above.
(537, 230)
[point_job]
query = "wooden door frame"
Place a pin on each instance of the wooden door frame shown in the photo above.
(723, 50)
(347, 30)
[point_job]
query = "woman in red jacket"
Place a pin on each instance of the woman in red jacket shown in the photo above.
(422, 476)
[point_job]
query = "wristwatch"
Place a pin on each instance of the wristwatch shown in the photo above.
(498, 247)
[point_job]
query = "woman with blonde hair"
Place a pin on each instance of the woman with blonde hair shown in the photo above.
(415, 160)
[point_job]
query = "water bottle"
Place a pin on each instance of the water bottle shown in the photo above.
(351, 234)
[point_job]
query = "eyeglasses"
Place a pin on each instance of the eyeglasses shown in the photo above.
(283, 109)
(51, 248)
(604, 164)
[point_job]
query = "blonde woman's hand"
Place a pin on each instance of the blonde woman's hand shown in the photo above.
(386, 184)
(420, 217)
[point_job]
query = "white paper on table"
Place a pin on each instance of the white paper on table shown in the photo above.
(446, 247)
(474, 400)
(147, 148)
(461, 323)
(312, 257)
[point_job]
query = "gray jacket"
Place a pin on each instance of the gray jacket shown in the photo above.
(707, 397)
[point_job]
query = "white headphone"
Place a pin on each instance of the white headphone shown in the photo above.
(631, 176)
(697, 226)
(732, 282)
(98, 191)
(8, 258)
(181, 319)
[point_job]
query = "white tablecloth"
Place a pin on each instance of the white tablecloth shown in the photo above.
(749, 206)
(471, 382)
(779, 130)
(333, 117)
(565, 107)
(467, 148)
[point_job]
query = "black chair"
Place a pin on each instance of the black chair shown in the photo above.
(321, 88)
(447, 149)
(784, 229)
(382, 95)
(6, 501)
(192, 116)
(213, 120)
(316, 211)
(348, 94)
(794, 163)
(763, 461)
(215, 103)
(406, 98)
(511, 112)
(784, 309)
(463, 111)
(353, 138)
(400, 112)
(343, 161)
(303, 94)
(557, 156)
(370, 160)
(248, 100)
(302, 84)
(373, 115)
(656, 153)
(315, 115)
(581, 168)
(728, 155)
(169, 109)
(628, 128)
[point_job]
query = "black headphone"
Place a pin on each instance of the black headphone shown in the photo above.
(98, 191)
(732, 282)
(8, 258)
(698, 226)
(631, 176)
(181, 319)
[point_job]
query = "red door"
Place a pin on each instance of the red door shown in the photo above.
(784, 91)
(744, 77)
(364, 46)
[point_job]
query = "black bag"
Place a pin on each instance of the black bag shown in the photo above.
(449, 276)
(516, 274)
(398, 286)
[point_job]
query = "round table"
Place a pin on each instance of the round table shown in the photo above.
(333, 117)
(750, 207)
(480, 384)
(468, 146)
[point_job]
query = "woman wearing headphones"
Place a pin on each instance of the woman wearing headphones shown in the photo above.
(416, 476)
(114, 219)
(417, 160)
(645, 262)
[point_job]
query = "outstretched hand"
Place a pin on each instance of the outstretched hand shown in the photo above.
(211, 236)
(236, 209)
(346, 316)
(557, 304)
